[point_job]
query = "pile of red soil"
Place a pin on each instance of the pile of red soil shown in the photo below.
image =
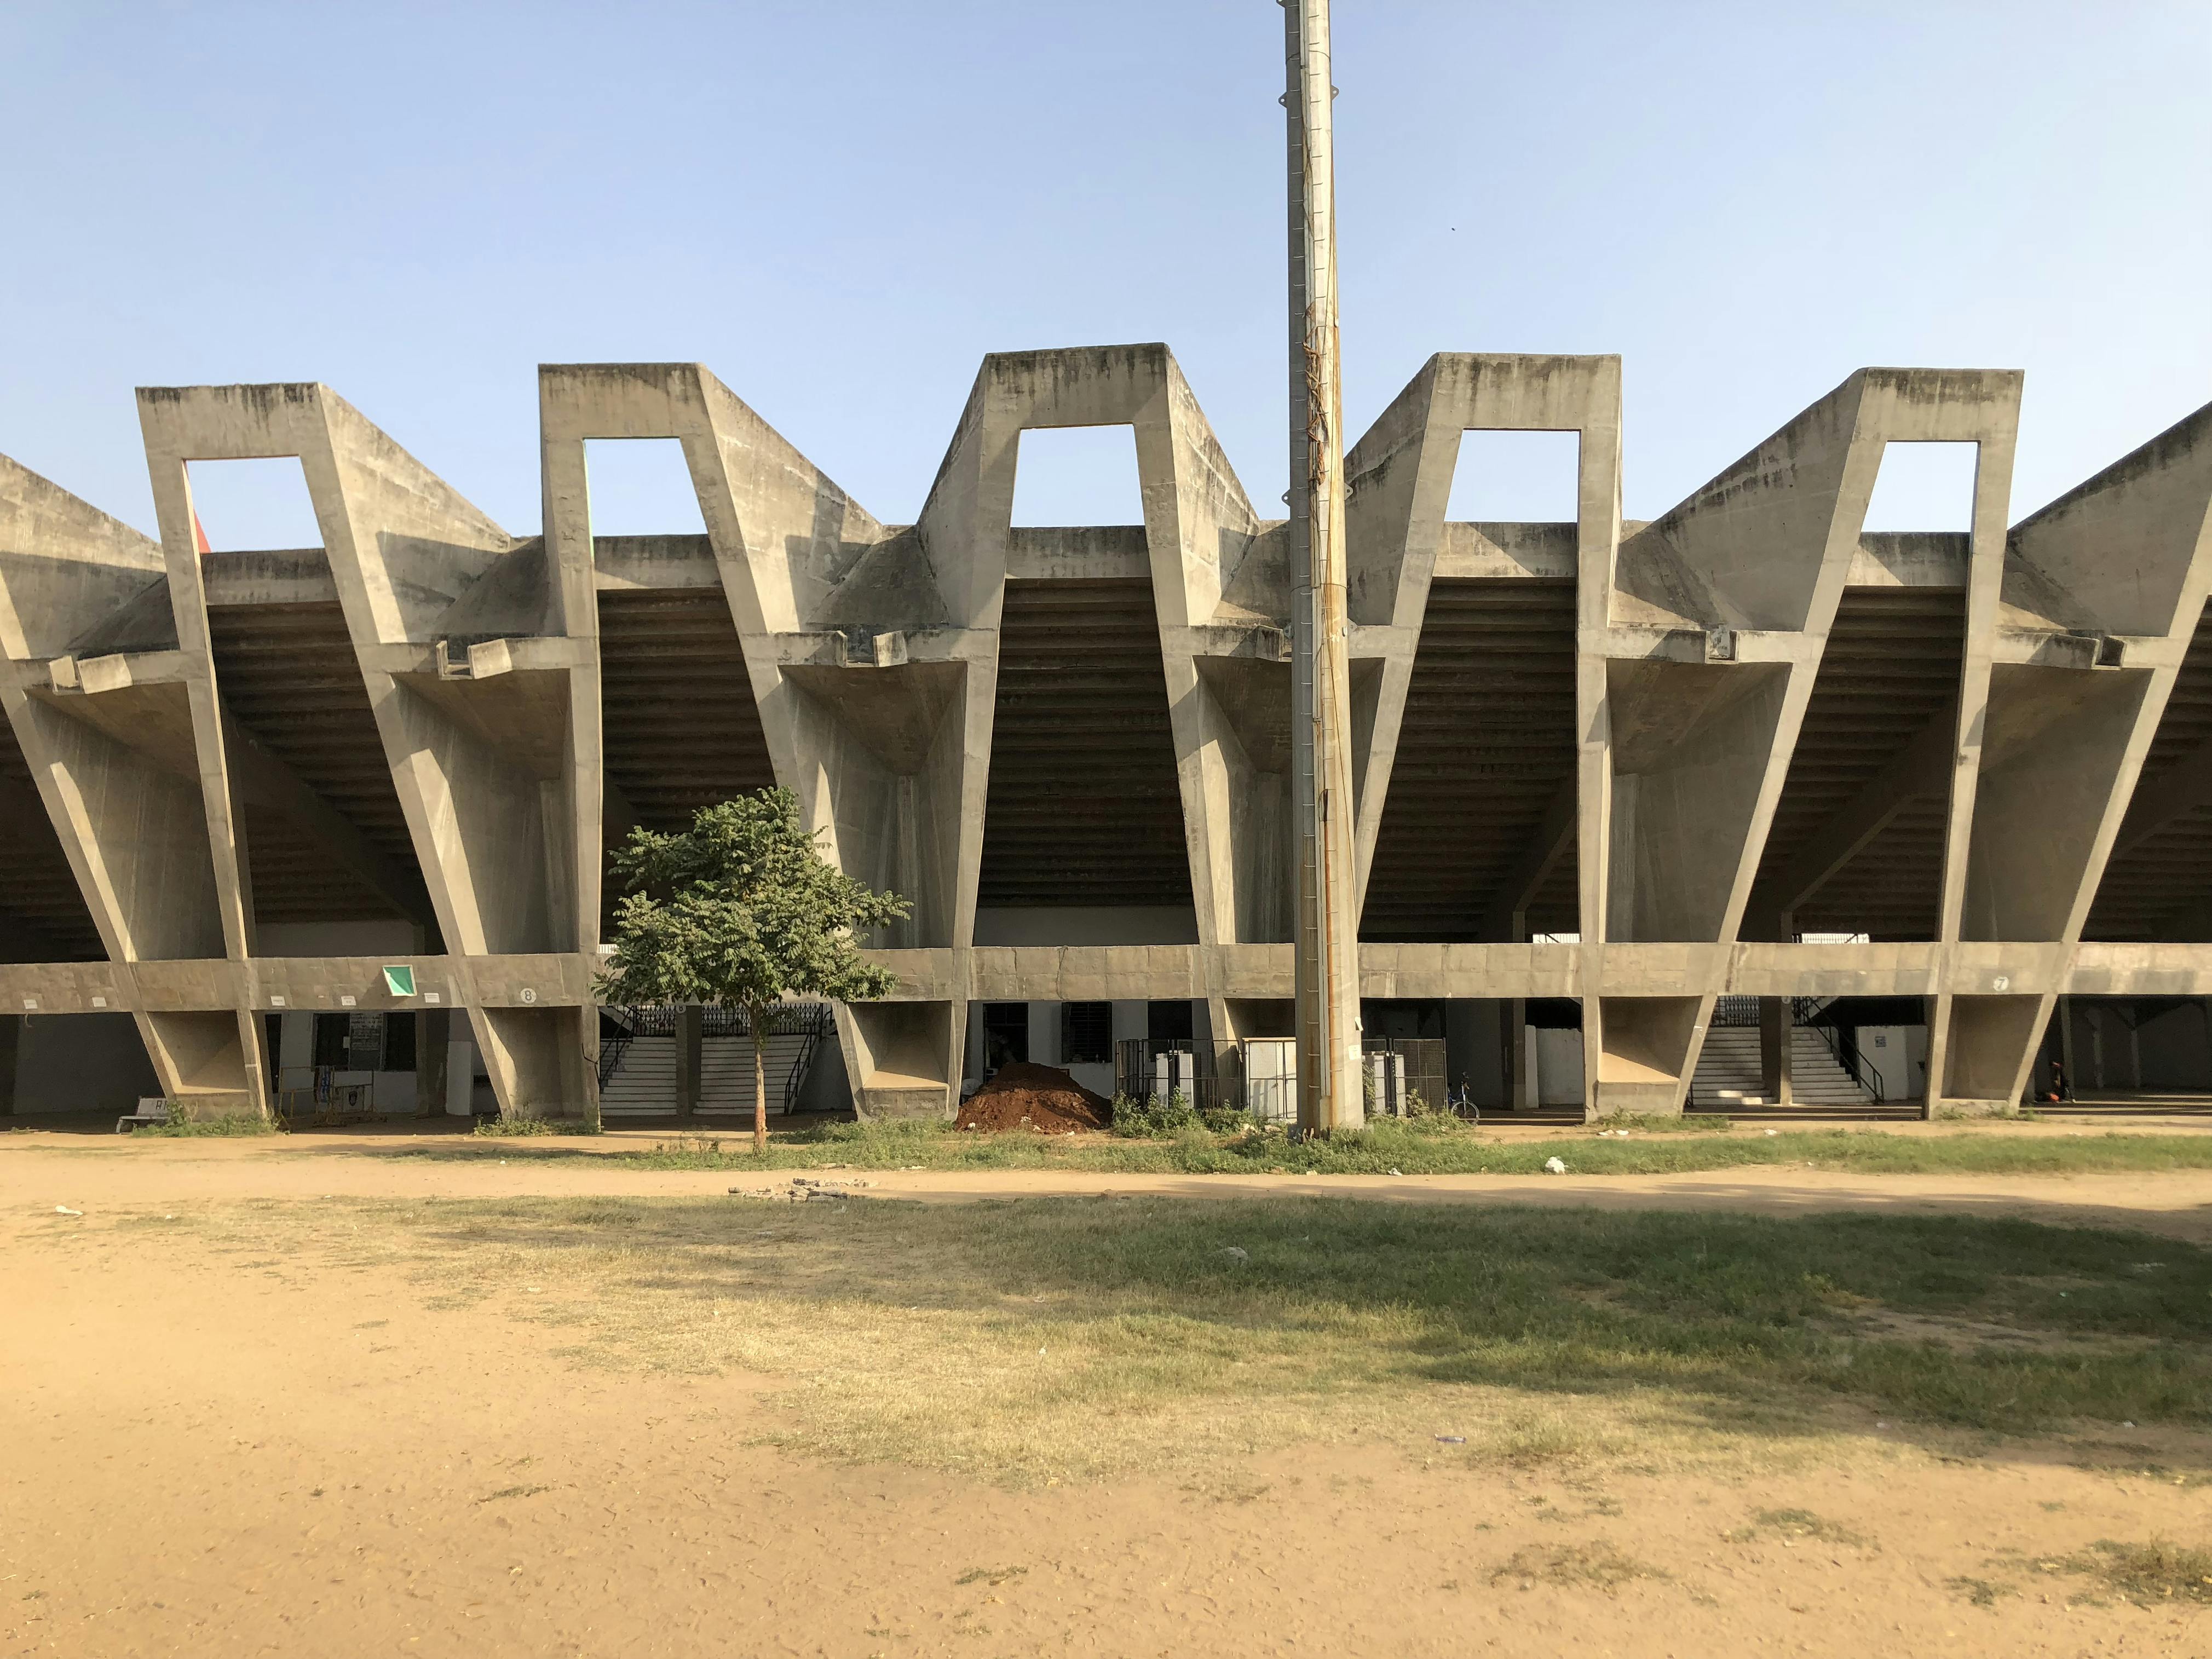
(1020, 1096)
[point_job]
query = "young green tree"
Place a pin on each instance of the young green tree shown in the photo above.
(740, 911)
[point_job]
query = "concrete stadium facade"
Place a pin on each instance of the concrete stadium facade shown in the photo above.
(1618, 769)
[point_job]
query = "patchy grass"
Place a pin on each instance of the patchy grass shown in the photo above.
(1429, 1146)
(1982, 1592)
(1795, 1526)
(235, 1123)
(1596, 1565)
(993, 1576)
(502, 1128)
(2156, 1571)
(1029, 1338)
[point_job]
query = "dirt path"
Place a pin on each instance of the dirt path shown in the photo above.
(39, 1171)
(303, 1457)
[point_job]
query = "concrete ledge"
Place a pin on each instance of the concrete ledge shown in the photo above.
(2141, 970)
(1757, 968)
(1160, 972)
(274, 982)
(183, 986)
(59, 987)
(269, 983)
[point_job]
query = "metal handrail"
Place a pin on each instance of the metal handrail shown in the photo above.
(807, 1020)
(1803, 1011)
(811, 1032)
(612, 1050)
(1742, 1011)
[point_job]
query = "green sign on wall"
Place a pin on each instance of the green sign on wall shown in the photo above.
(400, 980)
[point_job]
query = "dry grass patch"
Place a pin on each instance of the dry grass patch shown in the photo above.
(1795, 1526)
(1592, 1566)
(1039, 1340)
(2156, 1571)
(1982, 1592)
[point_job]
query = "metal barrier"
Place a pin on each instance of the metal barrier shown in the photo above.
(1260, 1075)
(1211, 1074)
(1423, 1065)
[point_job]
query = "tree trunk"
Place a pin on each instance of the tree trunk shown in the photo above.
(756, 1018)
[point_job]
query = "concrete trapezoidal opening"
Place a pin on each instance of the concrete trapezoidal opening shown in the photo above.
(641, 486)
(1516, 476)
(1924, 486)
(1077, 475)
(252, 504)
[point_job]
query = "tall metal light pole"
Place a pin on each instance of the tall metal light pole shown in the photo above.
(1330, 1094)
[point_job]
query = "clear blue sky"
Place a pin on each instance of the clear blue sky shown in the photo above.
(840, 207)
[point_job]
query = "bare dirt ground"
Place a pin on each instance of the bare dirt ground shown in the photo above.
(383, 1163)
(300, 1456)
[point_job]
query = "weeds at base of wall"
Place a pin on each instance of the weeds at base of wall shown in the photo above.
(506, 1127)
(182, 1127)
(1154, 1119)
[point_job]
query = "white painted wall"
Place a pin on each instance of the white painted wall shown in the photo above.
(1558, 1064)
(465, 1073)
(1883, 1052)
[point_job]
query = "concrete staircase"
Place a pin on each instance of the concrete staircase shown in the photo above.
(726, 1072)
(1729, 1072)
(643, 1081)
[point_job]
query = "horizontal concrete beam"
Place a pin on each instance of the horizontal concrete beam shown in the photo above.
(1493, 551)
(1168, 972)
(60, 987)
(267, 983)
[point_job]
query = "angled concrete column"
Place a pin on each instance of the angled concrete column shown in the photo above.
(874, 695)
(1207, 554)
(111, 742)
(2097, 605)
(1400, 474)
(1716, 617)
(477, 655)
(1984, 1027)
(1221, 620)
